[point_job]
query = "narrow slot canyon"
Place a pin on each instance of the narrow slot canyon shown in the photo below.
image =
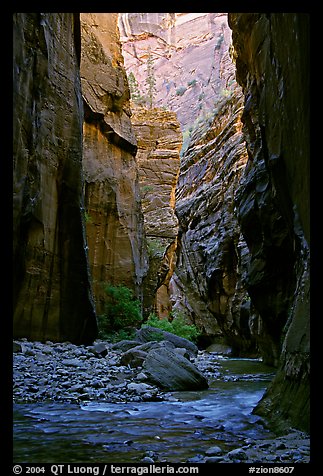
(161, 238)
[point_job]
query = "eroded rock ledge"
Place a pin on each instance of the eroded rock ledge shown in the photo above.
(112, 198)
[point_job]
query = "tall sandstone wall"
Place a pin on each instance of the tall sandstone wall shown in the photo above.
(189, 53)
(115, 229)
(272, 62)
(52, 292)
(159, 142)
(207, 283)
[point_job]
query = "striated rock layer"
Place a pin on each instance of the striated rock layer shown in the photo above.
(112, 198)
(207, 283)
(272, 61)
(52, 293)
(159, 142)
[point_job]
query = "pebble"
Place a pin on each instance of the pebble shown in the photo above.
(68, 373)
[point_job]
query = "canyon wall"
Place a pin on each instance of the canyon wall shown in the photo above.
(115, 229)
(207, 282)
(188, 54)
(272, 61)
(159, 141)
(52, 292)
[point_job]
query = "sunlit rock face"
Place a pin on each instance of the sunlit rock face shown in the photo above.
(272, 60)
(195, 76)
(52, 296)
(190, 56)
(159, 141)
(112, 198)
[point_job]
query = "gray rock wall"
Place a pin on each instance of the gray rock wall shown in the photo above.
(272, 61)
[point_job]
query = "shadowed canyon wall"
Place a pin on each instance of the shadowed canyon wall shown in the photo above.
(240, 234)
(112, 198)
(207, 283)
(52, 292)
(272, 61)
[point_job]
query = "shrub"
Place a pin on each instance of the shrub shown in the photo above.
(193, 83)
(121, 310)
(180, 91)
(155, 248)
(177, 326)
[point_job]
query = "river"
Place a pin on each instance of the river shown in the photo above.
(175, 431)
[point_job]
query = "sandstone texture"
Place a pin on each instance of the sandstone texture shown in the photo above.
(190, 57)
(159, 141)
(207, 282)
(52, 292)
(112, 197)
(272, 60)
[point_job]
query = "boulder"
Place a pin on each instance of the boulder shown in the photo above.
(99, 349)
(133, 357)
(149, 333)
(124, 345)
(136, 355)
(171, 371)
(17, 347)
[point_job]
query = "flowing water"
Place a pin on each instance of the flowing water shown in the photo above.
(124, 432)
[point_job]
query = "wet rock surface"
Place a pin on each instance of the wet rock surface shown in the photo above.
(58, 383)
(103, 371)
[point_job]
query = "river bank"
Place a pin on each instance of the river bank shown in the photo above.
(110, 411)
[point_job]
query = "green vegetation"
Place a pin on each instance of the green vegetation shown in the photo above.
(155, 247)
(88, 218)
(122, 317)
(180, 91)
(135, 93)
(121, 311)
(193, 83)
(150, 79)
(177, 325)
(146, 189)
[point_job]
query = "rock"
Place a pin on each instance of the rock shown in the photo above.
(273, 201)
(207, 284)
(171, 371)
(100, 349)
(139, 387)
(196, 459)
(51, 301)
(114, 227)
(133, 357)
(141, 376)
(159, 141)
(147, 459)
(148, 333)
(73, 362)
(124, 345)
(214, 450)
(136, 355)
(17, 347)
(181, 46)
(213, 459)
(237, 454)
(219, 349)
(183, 352)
